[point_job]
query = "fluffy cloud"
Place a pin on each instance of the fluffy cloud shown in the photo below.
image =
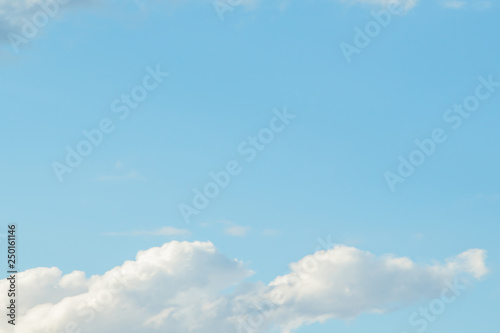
(186, 287)
(345, 282)
(177, 285)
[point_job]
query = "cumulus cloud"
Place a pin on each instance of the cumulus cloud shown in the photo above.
(345, 282)
(191, 287)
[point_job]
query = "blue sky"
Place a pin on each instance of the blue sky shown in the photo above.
(323, 176)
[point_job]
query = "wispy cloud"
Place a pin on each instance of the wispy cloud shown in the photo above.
(23, 20)
(419, 235)
(454, 4)
(237, 231)
(470, 4)
(120, 174)
(406, 4)
(482, 5)
(487, 198)
(270, 232)
(230, 228)
(164, 231)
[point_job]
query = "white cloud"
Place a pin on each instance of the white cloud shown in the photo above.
(182, 287)
(164, 231)
(345, 282)
(471, 261)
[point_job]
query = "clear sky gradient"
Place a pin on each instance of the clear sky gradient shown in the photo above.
(323, 175)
